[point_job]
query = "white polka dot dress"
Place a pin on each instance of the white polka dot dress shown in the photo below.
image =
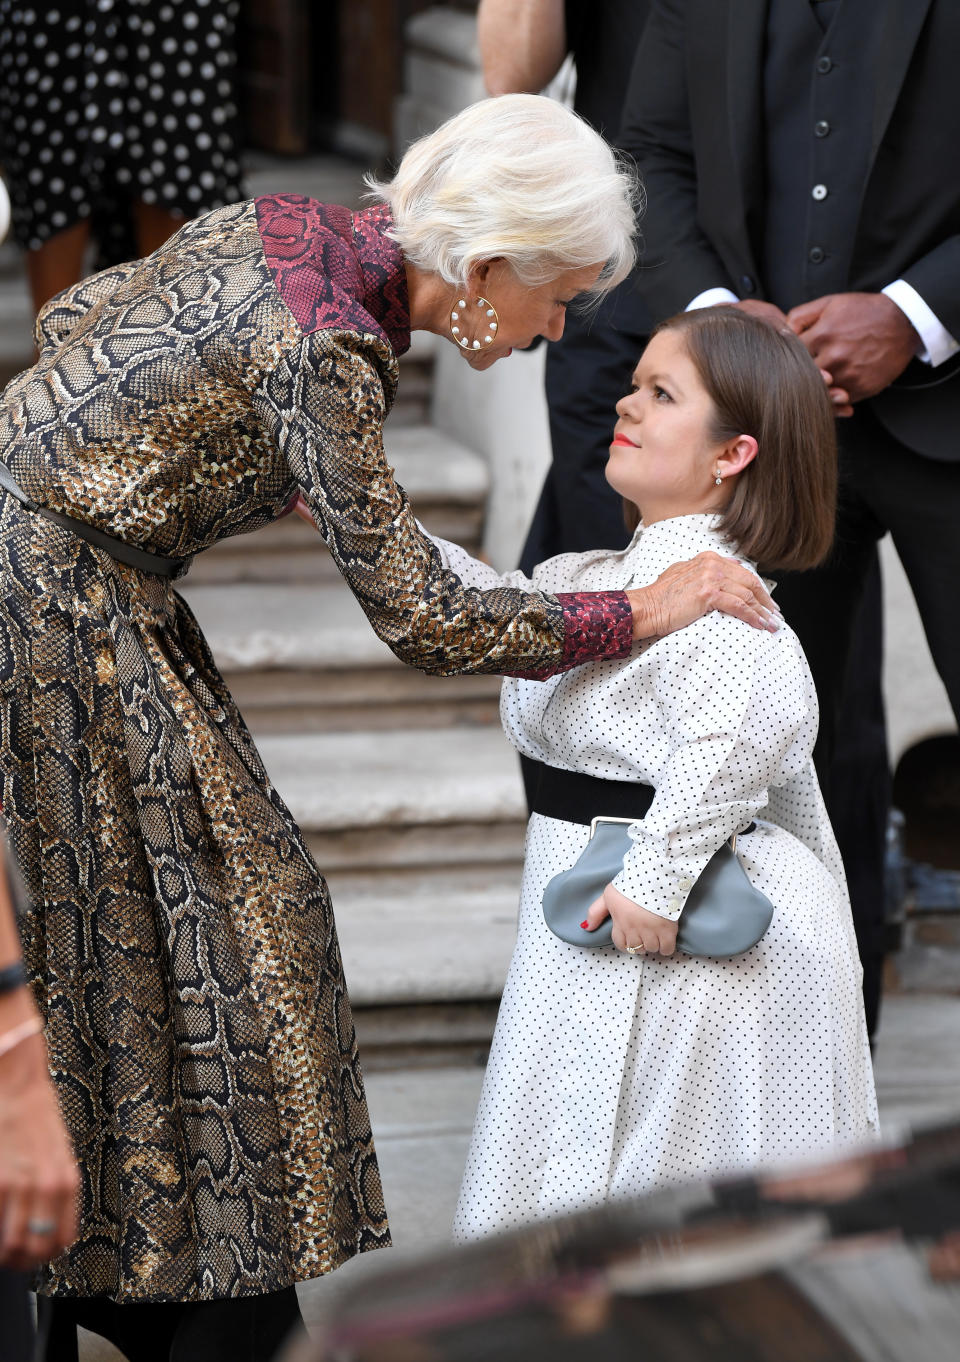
(109, 101)
(612, 1075)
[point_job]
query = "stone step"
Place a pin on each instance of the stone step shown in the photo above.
(444, 802)
(304, 659)
(426, 938)
(446, 482)
(425, 1035)
(420, 836)
(411, 406)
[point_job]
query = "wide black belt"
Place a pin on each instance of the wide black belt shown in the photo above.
(140, 559)
(577, 798)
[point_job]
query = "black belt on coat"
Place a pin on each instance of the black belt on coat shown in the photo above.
(576, 798)
(140, 559)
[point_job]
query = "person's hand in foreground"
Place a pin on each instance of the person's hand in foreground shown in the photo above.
(38, 1172)
(635, 930)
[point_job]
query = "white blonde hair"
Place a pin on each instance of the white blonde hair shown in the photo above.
(521, 178)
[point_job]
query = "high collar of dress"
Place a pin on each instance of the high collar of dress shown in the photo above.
(385, 295)
(654, 547)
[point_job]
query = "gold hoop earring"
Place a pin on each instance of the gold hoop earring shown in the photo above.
(490, 324)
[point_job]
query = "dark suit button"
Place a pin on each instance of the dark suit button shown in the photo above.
(747, 285)
(816, 255)
(821, 128)
(823, 65)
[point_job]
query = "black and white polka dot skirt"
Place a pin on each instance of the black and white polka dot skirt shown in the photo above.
(105, 102)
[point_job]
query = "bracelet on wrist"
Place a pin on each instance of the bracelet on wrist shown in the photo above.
(12, 977)
(17, 1034)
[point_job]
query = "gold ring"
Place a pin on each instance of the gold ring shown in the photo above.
(635, 950)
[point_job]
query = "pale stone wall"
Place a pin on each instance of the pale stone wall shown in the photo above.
(917, 705)
(501, 414)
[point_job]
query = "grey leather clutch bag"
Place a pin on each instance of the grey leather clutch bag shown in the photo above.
(723, 915)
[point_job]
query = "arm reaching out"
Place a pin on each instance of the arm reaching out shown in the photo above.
(681, 594)
(522, 44)
(324, 406)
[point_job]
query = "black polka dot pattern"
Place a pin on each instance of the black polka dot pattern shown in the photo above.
(106, 100)
(612, 1075)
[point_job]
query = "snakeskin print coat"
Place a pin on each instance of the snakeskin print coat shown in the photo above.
(180, 937)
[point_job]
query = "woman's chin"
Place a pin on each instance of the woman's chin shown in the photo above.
(618, 484)
(484, 359)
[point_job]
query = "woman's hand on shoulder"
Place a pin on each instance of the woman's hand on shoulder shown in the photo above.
(634, 928)
(692, 588)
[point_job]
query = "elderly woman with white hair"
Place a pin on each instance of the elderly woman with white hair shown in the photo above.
(181, 938)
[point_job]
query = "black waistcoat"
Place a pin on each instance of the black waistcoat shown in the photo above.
(817, 139)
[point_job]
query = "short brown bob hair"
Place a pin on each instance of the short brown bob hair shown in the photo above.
(763, 383)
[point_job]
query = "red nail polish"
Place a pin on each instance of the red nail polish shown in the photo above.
(584, 924)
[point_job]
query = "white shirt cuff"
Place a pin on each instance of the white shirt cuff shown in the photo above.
(711, 296)
(936, 340)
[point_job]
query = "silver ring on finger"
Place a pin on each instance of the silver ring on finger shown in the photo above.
(636, 950)
(42, 1229)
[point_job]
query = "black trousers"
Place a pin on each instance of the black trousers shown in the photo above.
(16, 1322)
(836, 612)
(587, 372)
(241, 1329)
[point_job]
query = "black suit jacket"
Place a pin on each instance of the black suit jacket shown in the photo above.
(693, 118)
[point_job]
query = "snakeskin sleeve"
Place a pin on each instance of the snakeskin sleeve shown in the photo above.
(324, 405)
(57, 318)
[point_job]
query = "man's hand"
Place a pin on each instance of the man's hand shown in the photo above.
(693, 588)
(632, 925)
(769, 312)
(862, 340)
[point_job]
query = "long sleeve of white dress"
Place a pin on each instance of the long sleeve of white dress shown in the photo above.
(565, 572)
(735, 714)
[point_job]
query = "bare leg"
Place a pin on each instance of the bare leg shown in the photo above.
(154, 225)
(58, 263)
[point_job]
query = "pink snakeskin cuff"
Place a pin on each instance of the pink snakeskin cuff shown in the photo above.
(597, 625)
